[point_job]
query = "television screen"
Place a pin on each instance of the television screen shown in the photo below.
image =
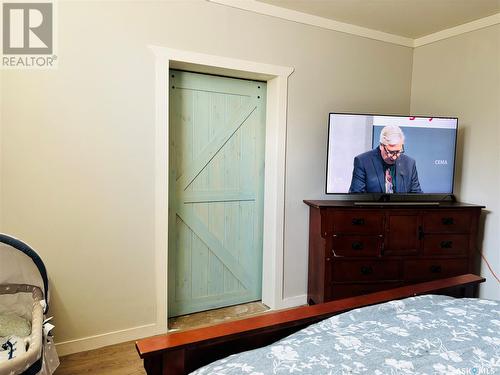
(390, 154)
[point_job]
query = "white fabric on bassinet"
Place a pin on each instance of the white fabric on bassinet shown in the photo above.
(21, 363)
(14, 325)
(20, 304)
(17, 268)
(11, 347)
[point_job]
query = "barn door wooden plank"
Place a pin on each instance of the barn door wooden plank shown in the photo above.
(216, 179)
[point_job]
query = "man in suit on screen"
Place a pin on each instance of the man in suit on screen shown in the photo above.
(386, 169)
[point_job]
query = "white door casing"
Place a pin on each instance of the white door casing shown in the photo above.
(274, 179)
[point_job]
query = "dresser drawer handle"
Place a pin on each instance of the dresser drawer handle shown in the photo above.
(421, 233)
(358, 221)
(366, 270)
(357, 245)
(435, 269)
(447, 220)
(446, 244)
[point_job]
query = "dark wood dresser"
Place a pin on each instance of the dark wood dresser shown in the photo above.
(359, 248)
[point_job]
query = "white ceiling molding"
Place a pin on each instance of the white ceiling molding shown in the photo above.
(326, 23)
(461, 29)
(309, 19)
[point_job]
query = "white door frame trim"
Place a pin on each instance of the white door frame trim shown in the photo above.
(274, 184)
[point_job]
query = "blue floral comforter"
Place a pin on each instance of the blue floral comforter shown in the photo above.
(420, 335)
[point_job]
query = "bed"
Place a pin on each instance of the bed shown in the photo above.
(415, 329)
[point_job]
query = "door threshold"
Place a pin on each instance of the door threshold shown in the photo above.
(216, 316)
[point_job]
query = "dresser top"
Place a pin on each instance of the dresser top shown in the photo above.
(402, 204)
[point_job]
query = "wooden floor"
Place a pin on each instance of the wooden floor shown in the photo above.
(216, 316)
(122, 359)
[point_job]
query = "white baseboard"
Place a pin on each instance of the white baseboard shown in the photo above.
(109, 338)
(135, 333)
(289, 302)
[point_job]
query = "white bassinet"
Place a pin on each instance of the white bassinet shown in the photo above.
(26, 344)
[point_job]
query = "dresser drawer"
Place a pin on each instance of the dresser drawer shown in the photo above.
(357, 246)
(354, 222)
(363, 247)
(428, 269)
(349, 290)
(447, 222)
(446, 244)
(369, 270)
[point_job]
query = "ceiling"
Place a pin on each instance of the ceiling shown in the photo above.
(407, 18)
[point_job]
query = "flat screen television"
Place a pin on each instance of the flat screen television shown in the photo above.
(355, 163)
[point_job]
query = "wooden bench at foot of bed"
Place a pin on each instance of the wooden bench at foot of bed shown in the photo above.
(182, 352)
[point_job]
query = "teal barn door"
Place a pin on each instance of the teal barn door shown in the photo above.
(216, 191)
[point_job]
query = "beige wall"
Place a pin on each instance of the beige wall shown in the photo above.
(460, 76)
(77, 142)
